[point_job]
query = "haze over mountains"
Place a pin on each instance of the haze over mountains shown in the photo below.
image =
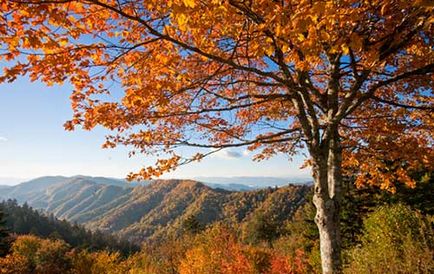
(231, 182)
(252, 182)
(151, 210)
(9, 181)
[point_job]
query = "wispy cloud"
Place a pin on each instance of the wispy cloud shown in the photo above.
(3, 139)
(228, 154)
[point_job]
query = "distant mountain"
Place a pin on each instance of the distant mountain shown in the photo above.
(33, 189)
(230, 187)
(4, 187)
(254, 182)
(153, 210)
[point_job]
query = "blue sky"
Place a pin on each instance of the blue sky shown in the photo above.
(33, 143)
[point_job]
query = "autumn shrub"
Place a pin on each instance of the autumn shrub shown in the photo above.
(81, 261)
(105, 262)
(300, 243)
(396, 240)
(218, 251)
(165, 255)
(258, 257)
(303, 257)
(14, 264)
(285, 264)
(280, 264)
(142, 263)
(30, 254)
(100, 262)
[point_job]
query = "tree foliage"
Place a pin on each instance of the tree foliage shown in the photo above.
(218, 250)
(192, 225)
(396, 239)
(4, 234)
(218, 74)
(261, 228)
(35, 255)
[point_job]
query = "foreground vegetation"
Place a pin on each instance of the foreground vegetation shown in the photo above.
(384, 234)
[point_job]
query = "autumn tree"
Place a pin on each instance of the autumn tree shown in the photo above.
(217, 250)
(349, 82)
(36, 255)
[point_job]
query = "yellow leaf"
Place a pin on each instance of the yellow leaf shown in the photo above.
(278, 30)
(182, 21)
(189, 3)
(269, 50)
(301, 37)
(63, 42)
(345, 49)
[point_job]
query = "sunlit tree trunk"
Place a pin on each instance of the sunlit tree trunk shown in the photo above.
(327, 162)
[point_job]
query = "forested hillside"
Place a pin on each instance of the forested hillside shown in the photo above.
(22, 219)
(157, 209)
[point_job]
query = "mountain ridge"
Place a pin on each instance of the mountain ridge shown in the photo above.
(154, 210)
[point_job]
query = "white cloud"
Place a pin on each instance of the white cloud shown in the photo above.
(246, 152)
(228, 154)
(3, 139)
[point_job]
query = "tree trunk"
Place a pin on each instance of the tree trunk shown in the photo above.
(327, 192)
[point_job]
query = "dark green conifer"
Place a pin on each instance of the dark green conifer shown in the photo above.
(192, 225)
(4, 235)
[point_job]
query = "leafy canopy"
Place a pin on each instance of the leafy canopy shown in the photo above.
(274, 76)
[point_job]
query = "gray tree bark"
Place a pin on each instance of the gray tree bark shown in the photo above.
(327, 175)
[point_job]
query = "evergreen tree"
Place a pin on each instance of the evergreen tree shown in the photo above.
(192, 225)
(4, 235)
(261, 228)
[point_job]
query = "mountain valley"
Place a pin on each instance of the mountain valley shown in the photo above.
(151, 210)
